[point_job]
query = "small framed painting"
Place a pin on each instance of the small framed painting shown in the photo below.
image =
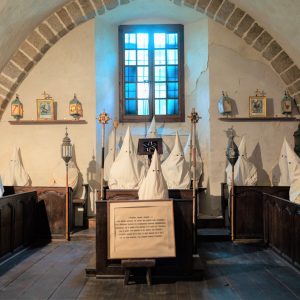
(45, 109)
(257, 106)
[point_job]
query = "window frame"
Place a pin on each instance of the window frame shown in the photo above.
(150, 28)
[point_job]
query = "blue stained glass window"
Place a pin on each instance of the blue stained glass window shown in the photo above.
(130, 57)
(160, 73)
(143, 107)
(130, 74)
(172, 56)
(172, 40)
(172, 73)
(143, 74)
(142, 57)
(172, 107)
(130, 107)
(143, 90)
(130, 90)
(130, 40)
(160, 90)
(172, 90)
(159, 40)
(160, 57)
(142, 40)
(160, 107)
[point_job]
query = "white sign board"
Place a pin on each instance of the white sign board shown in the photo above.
(140, 229)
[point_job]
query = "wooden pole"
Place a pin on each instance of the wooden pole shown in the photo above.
(67, 204)
(102, 163)
(194, 188)
(232, 204)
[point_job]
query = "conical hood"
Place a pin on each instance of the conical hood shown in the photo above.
(109, 159)
(242, 147)
(128, 145)
(127, 171)
(15, 173)
(175, 168)
(245, 172)
(154, 185)
(152, 129)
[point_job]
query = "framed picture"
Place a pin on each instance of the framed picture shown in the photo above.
(45, 109)
(257, 106)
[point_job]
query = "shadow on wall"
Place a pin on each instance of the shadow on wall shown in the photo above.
(91, 175)
(256, 159)
(79, 189)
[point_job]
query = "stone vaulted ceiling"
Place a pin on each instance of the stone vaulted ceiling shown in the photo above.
(28, 29)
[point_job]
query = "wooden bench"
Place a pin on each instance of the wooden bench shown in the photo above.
(128, 264)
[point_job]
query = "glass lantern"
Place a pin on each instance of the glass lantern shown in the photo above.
(75, 108)
(17, 108)
(66, 148)
(224, 105)
(286, 104)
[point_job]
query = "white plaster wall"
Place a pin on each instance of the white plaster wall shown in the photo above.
(238, 69)
(67, 67)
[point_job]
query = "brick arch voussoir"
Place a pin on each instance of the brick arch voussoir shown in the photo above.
(76, 12)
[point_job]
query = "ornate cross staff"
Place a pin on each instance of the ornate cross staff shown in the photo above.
(232, 154)
(103, 119)
(194, 120)
(115, 124)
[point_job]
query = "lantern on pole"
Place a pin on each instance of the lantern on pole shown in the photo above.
(75, 108)
(17, 108)
(66, 155)
(232, 154)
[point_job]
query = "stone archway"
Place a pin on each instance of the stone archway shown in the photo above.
(52, 29)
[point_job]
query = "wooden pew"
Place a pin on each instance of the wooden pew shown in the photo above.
(282, 227)
(17, 222)
(248, 209)
(51, 210)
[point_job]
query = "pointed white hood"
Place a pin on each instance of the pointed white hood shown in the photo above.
(283, 171)
(109, 159)
(175, 168)
(15, 173)
(152, 133)
(245, 173)
(152, 129)
(154, 186)
(199, 162)
(127, 172)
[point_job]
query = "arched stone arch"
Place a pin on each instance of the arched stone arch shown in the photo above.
(47, 33)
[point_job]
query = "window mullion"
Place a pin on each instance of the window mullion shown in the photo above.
(151, 75)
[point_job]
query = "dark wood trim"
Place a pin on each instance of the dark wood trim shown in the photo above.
(258, 119)
(44, 122)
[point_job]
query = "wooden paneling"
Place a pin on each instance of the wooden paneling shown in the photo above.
(51, 210)
(282, 227)
(248, 204)
(17, 221)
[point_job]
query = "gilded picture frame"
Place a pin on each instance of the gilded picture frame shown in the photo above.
(257, 106)
(45, 109)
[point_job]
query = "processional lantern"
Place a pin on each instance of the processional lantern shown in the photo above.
(232, 154)
(66, 148)
(17, 108)
(286, 104)
(225, 105)
(66, 154)
(75, 108)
